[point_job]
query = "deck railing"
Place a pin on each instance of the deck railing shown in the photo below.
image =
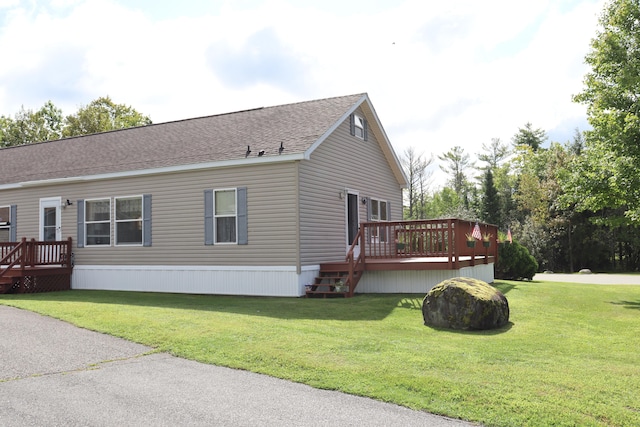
(433, 238)
(442, 238)
(33, 253)
(31, 266)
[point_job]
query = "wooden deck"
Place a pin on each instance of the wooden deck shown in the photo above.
(406, 245)
(31, 266)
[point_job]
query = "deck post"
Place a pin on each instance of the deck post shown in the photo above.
(452, 244)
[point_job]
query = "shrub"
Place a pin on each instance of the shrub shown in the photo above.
(515, 262)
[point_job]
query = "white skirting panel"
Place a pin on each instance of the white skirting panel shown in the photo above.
(417, 281)
(281, 281)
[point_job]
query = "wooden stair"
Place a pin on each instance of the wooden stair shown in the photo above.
(329, 280)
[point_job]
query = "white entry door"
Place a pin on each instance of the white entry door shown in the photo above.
(50, 219)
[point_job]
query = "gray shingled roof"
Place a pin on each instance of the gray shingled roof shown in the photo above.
(200, 140)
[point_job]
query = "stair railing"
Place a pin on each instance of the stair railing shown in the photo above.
(17, 254)
(355, 264)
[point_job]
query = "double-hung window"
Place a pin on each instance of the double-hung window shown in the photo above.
(378, 212)
(225, 216)
(5, 231)
(98, 222)
(128, 220)
(358, 126)
(125, 220)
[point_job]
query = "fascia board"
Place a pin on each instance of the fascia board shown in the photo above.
(158, 171)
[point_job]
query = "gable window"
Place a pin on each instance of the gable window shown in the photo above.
(98, 222)
(5, 224)
(128, 220)
(358, 126)
(225, 219)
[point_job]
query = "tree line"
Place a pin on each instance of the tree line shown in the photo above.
(48, 123)
(575, 204)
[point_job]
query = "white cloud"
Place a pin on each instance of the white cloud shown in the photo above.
(439, 73)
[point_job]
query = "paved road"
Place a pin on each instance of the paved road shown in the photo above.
(595, 278)
(55, 374)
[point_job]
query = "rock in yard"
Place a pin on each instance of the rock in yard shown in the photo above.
(584, 271)
(465, 303)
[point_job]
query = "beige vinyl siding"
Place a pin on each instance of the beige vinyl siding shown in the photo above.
(178, 216)
(341, 162)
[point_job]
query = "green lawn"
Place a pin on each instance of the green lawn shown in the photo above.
(570, 355)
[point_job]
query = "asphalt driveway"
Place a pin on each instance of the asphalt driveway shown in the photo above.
(55, 374)
(592, 279)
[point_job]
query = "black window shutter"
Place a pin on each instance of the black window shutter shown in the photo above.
(146, 219)
(208, 217)
(388, 211)
(352, 124)
(365, 133)
(13, 225)
(243, 224)
(80, 236)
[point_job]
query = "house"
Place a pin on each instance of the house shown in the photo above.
(247, 203)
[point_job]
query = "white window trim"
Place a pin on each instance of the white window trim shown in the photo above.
(215, 217)
(6, 221)
(375, 236)
(379, 203)
(116, 221)
(110, 221)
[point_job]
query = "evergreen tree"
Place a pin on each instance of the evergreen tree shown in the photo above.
(534, 138)
(490, 208)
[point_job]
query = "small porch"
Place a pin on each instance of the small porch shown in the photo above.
(31, 266)
(438, 245)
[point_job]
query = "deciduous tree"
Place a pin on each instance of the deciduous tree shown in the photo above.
(607, 174)
(456, 163)
(103, 115)
(415, 166)
(28, 126)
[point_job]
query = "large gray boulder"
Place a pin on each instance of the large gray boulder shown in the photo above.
(464, 303)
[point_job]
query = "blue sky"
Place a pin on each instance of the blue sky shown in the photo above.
(440, 74)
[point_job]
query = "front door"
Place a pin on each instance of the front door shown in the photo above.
(50, 224)
(353, 221)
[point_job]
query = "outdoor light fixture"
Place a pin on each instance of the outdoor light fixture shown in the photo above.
(69, 202)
